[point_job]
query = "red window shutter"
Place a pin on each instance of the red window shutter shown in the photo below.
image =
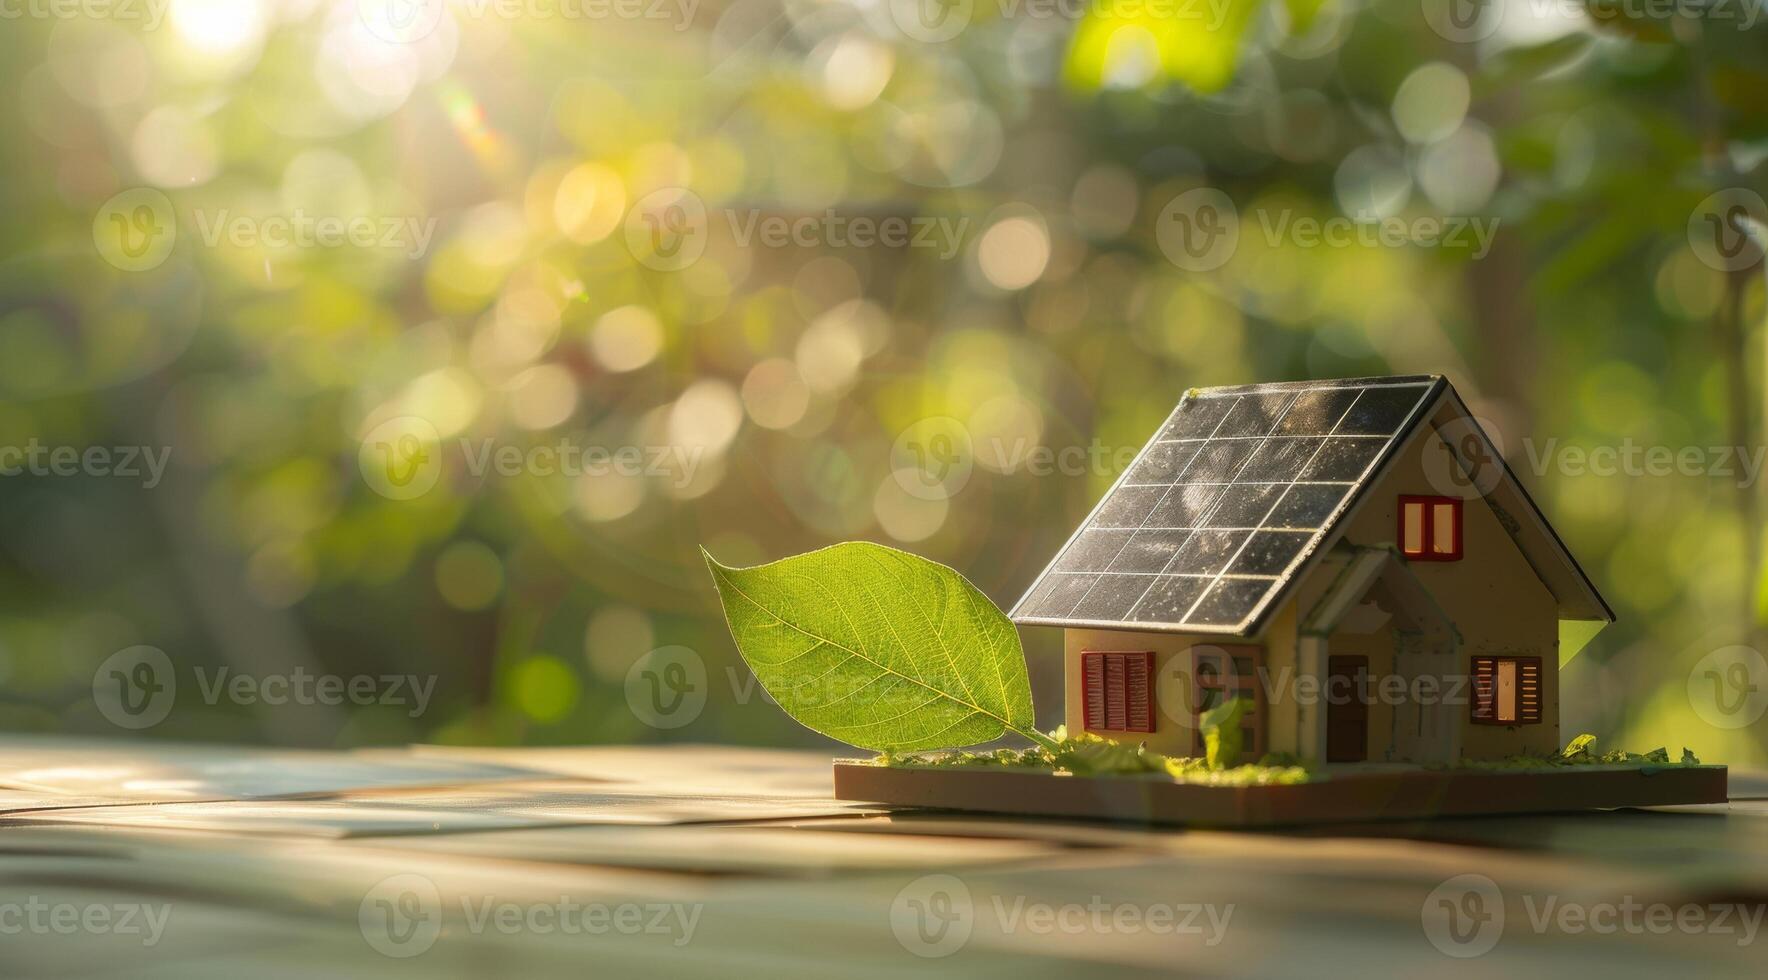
(1092, 679)
(1117, 691)
(1138, 691)
(1528, 690)
(1485, 689)
(1114, 693)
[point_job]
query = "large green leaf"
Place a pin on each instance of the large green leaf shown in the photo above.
(879, 648)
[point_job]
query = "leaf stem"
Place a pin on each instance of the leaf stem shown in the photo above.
(1037, 738)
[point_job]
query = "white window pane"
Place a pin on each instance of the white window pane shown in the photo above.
(1443, 529)
(1506, 690)
(1413, 543)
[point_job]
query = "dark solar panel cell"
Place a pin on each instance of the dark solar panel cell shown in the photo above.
(1220, 459)
(1343, 459)
(1093, 550)
(1196, 418)
(1163, 462)
(1169, 599)
(1057, 595)
(1307, 505)
(1381, 411)
(1279, 460)
(1149, 551)
(1207, 552)
(1245, 506)
(1128, 507)
(1275, 463)
(1230, 601)
(1184, 506)
(1269, 552)
(1112, 596)
(1316, 412)
(1256, 414)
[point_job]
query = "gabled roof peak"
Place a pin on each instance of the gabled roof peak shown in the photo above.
(1299, 385)
(1230, 502)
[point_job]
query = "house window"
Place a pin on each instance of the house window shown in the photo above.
(1222, 672)
(1430, 528)
(1117, 691)
(1507, 690)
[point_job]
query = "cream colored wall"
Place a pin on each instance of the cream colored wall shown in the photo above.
(1497, 602)
(1172, 670)
(1493, 596)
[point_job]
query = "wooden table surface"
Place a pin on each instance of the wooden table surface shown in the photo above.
(152, 860)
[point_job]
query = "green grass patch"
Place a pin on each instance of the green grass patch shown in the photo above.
(1090, 755)
(1581, 752)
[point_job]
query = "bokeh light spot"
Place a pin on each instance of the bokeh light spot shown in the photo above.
(469, 575)
(544, 687)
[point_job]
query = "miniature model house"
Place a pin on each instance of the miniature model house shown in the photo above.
(1352, 557)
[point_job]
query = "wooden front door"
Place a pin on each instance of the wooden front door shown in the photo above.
(1347, 713)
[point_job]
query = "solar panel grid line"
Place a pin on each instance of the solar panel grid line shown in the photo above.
(1188, 464)
(1262, 527)
(1211, 575)
(1250, 483)
(1271, 435)
(1405, 424)
(1256, 602)
(1214, 507)
(1254, 493)
(1263, 435)
(1040, 585)
(1186, 619)
(1343, 384)
(1178, 480)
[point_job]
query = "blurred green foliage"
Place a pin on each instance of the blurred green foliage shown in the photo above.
(514, 175)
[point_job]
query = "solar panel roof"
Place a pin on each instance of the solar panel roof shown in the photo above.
(1217, 513)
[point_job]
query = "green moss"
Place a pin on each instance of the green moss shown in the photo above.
(1090, 755)
(1581, 751)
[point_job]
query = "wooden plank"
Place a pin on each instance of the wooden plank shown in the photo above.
(811, 895)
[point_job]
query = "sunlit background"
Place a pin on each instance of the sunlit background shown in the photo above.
(536, 226)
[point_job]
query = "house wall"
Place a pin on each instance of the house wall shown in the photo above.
(1172, 733)
(1496, 600)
